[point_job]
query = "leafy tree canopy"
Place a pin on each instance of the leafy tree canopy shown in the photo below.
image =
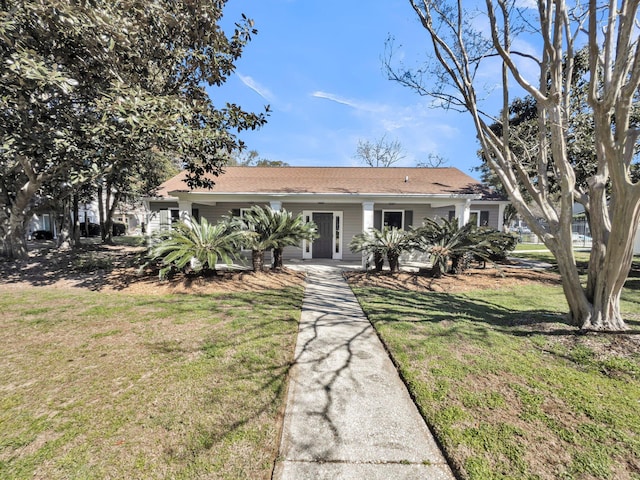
(105, 84)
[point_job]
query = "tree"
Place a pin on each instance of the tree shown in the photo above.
(103, 83)
(252, 159)
(433, 160)
(610, 197)
(381, 153)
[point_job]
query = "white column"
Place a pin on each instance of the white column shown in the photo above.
(275, 205)
(501, 208)
(463, 212)
(367, 216)
(184, 209)
(367, 224)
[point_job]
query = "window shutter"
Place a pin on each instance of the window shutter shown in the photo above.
(408, 219)
(377, 219)
(484, 218)
(452, 214)
(164, 219)
(195, 214)
(235, 212)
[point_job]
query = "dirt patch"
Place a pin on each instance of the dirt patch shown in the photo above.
(472, 279)
(116, 267)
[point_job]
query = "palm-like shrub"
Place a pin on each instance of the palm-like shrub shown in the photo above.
(389, 242)
(289, 231)
(497, 244)
(266, 229)
(368, 243)
(393, 242)
(447, 242)
(197, 246)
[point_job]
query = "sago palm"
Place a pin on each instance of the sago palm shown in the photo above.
(196, 245)
(369, 244)
(289, 231)
(268, 229)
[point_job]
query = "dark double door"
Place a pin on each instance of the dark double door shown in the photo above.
(322, 246)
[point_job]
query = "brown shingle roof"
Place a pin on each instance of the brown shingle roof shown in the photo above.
(334, 180)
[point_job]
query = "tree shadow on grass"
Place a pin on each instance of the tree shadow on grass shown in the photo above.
(443, 308)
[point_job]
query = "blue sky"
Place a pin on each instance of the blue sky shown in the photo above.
(318, 64)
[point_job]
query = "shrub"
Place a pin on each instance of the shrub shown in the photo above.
(196, 246)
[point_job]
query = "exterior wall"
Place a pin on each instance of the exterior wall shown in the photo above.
(154, 220)
(352, 219)
(351, 225)
(494, 210)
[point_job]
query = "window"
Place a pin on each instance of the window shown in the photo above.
(402, 219)
(393, 218)
(479, 218)
(168, 217)
(239, 212)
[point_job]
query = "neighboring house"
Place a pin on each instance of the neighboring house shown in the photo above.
(342, 201)
(131, 216)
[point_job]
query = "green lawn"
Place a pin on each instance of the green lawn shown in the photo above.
(531, 246)
(544, 255)
(115, 385)
(510, 390)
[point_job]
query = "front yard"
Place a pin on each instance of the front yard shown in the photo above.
(139, 385)
(511, 391)
(107, 375)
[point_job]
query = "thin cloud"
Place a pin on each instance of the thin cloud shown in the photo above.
(335, 98)
(256, 87)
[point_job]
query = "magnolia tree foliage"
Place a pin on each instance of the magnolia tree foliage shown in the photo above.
(543, 182)
(111, 87)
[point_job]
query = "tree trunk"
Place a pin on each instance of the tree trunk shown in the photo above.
(257, 259)
(394, 265)
(609, 268)
(436, 270)
(15, 244)
(378, 260)
(65, 239)
(277, 258)
(76, 221)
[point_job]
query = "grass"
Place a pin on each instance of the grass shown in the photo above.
(511, 391)
(115, 385)
(530, 246)
(582, 257)
(130, 240)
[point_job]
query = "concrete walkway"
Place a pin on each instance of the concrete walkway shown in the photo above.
(348, 414)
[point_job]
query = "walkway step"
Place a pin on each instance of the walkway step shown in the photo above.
(348, 414)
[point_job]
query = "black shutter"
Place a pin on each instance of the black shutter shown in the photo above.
(377, 219)
(452, 214)
(195, 214)
(408, 219)
(484, 218)
(235, 212)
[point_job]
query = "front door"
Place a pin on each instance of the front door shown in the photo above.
(322, 245)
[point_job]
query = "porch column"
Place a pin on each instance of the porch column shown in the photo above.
(463, 212)
(275, 205)
(184, 209)
(367, 224)
(501, 208)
